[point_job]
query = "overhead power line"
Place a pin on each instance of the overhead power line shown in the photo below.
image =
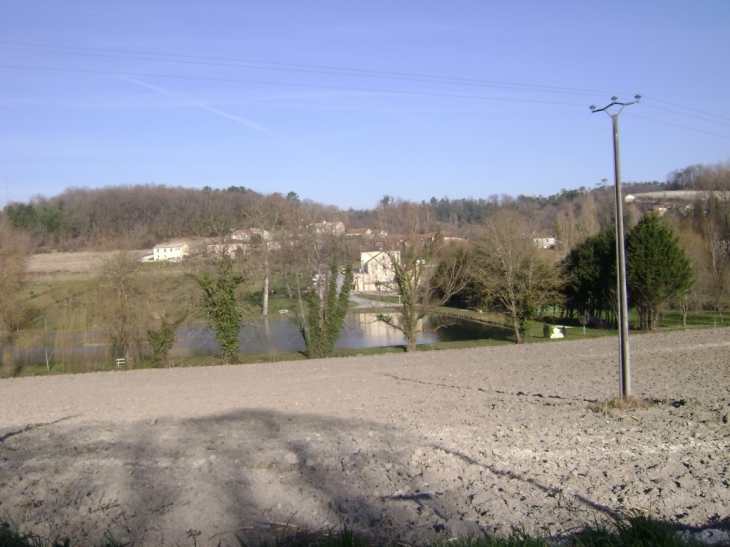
(688, 108)
(680, 126)
(688, 115)
(325, 70)
(289, 84)
(293, 67)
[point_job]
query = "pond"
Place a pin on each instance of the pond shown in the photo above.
(361, 330)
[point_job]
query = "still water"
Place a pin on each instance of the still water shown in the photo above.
(361, 330)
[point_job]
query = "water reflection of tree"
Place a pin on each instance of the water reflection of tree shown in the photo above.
(426, 270)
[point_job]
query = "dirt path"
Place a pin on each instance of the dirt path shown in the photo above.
(486, 438)
(362, 301)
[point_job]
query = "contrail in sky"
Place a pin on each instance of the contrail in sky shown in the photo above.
(252, 125)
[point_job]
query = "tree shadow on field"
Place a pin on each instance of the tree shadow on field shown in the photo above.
(200, 481)
(549, 490)
(235, 473)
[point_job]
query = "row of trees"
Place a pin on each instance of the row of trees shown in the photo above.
(14, 254)
(658, 271)
(503, 269)
(511, 274)
(500, 268)
(139, 216)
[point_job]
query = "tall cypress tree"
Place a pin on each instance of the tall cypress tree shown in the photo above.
(658, 269)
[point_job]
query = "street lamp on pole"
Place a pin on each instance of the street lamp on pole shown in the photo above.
(623, 308)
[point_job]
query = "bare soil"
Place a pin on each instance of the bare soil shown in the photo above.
(397, 445)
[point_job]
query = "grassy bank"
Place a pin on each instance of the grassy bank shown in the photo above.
(244, 358)
(571, 332)
(637, 531)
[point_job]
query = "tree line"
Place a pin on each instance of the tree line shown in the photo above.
(140, 216)
(681, 259)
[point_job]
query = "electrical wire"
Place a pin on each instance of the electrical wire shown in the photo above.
(199, 60)
(687, 108)
(676, 125)
(317, 69)
(519, 87)
(289, 84)
(688, 115)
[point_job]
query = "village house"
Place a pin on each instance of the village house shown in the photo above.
(366, 233)
(231, 248)
(545, 242)
(325, 227)
(248, 235)
(241, 235)
(240, 242)
(170, 251)
(408, 239)
(450, 238)
(376, 272)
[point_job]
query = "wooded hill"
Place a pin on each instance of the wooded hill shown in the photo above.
(140, 216)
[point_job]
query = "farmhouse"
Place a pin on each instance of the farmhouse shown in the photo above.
(170, 251)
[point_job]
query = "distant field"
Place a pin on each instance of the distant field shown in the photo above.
(80, 262)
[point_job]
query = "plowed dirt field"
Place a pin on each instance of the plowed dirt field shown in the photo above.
(404, 445)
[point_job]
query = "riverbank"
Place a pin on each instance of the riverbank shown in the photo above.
(262, 340)
(280, 341)
(398, 445)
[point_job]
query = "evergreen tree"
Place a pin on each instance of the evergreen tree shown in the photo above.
(658, 269)
(590, 272)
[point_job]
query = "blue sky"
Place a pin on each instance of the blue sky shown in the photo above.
(343, 102)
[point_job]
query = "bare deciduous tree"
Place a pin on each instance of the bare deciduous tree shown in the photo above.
(695, 249)
(14, 253)
(515, 274)
(266, 215)
(310, 262)
(719, 264)
(122, 305)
